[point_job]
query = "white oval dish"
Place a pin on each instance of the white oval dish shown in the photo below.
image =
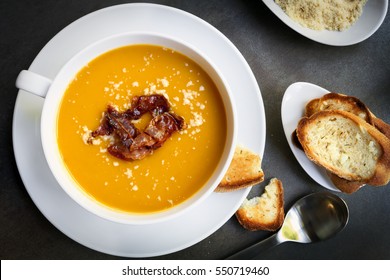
(374, 12)
(294, 101)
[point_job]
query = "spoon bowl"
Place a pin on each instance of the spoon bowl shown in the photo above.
(315, 217)
(374, 12)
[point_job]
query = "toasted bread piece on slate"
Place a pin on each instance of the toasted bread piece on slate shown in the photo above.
(344, 185)
(265, 212)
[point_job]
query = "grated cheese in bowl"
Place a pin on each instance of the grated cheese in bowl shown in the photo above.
(337, 15)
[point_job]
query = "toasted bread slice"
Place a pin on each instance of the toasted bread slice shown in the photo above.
(344, 185)
(381, 125)
(338, 101)
(244, 171)
(347, 146)
(265, 212)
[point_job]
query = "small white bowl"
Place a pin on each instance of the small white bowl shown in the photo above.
(294, 101)
(53, 92)
(374, 12)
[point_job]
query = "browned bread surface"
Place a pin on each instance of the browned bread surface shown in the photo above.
(338, 101)
(244, 171)
(381, 126)
(351, 104)
(265, 212)
(344, 185)
(347, 146)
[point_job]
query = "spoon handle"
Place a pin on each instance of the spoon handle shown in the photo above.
(254, 250)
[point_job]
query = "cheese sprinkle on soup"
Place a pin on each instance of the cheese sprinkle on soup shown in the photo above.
(174, 172)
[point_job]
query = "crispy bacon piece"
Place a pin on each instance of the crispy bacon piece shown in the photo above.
(162, 126)
(130, 143)
(122, 152)
(155, 104)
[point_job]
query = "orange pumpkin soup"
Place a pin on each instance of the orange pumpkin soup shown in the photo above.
(175, 171)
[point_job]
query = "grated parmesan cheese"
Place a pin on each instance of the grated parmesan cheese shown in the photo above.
(86, 135)
(323, 14)
(198, 119)
(164, 82)
(129, 173)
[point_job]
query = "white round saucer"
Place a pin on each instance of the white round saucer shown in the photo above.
(79, 224)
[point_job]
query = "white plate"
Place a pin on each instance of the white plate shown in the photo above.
(86, 228)
(374, 12)
(294, 101)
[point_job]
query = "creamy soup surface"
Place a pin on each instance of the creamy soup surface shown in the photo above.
(174, 172)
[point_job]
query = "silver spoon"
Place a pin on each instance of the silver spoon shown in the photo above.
(313, 218)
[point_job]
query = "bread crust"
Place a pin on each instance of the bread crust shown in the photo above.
(254, 215)
(337, 101)
(344, 185)
(381, 175)
(381, 126)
